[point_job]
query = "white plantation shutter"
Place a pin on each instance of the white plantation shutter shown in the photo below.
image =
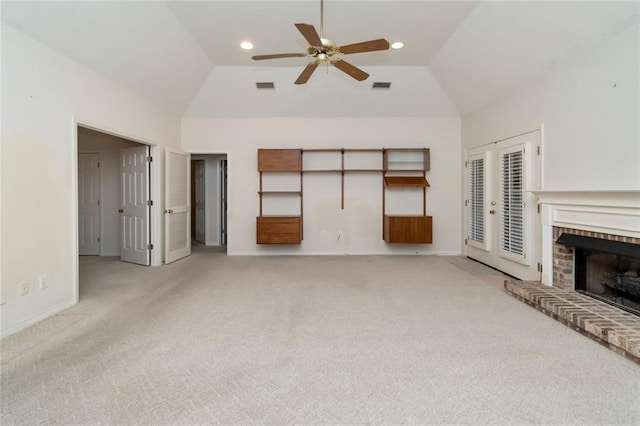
(512, 243)
(476, 232)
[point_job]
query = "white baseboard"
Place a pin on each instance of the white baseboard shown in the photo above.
(37, 318)
(386, 253)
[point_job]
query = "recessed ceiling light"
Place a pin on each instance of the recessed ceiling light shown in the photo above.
(246, 45)
(397, 45)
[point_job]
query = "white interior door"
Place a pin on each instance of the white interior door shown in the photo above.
(502, 219)
(134, 205)
(199, 202)
(89, 194)
(177, 224)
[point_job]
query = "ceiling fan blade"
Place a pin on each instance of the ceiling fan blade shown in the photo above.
(351, 70)
(306, 72)
(278, 55)
(310, 34)
(365, 46)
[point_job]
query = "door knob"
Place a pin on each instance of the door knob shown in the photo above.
(120, 211)
(168, 211)
(492, 211)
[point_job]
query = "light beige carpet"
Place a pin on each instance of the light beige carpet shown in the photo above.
(308, 340)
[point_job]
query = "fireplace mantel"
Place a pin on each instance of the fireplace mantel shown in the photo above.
(598, 198)
(615, 212)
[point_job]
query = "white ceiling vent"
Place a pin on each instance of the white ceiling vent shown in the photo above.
(381, 85)
(265, 85)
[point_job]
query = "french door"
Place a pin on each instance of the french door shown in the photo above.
(501, 216)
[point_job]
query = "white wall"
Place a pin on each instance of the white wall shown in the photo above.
(590, 114)
(361, 221)
(44, 95)
(108, 147)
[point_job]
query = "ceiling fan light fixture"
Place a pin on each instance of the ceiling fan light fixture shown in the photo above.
(246, 45)
(397, 45)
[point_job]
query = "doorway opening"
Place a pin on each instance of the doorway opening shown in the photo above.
(114, 197)
(209, 202)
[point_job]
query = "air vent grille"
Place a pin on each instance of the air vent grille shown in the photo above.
(381, 85)
(265, 85)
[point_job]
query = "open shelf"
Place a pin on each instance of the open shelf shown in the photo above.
(280, 192)
(406, 181)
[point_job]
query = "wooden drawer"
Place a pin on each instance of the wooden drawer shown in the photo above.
(278, 230)
(408, 229)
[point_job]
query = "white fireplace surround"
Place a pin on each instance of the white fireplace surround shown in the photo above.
(611, 212)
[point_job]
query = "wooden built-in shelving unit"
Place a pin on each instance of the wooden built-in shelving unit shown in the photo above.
(400, 168)
(406, 168)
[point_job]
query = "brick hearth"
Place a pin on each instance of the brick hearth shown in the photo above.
(606, 324)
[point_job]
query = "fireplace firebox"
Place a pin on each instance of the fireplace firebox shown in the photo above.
(606, 270)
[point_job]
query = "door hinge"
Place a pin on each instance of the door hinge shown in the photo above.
(98, 202)
(538, 208)
(98, 164)
(98, 239)
(466, 163)
(466, 203)
(538, 150)
(149, 159)
(149, 246)
(465, 241)
(150, 202)
(539, 267)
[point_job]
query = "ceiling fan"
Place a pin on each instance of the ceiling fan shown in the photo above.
(325, 51)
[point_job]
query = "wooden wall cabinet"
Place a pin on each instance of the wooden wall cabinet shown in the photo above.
(278, 230)
(408, 229)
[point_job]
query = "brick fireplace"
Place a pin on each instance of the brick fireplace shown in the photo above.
(564, 256)
(606, 215)
(590, 224)
(601, 265)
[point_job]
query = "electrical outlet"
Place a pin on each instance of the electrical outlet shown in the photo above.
(24, 288)
(42, 281)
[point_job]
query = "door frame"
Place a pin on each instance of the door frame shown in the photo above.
(226, 153)
(494, 245)
(155, 220)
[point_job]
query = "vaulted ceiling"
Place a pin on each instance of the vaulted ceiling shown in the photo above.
(185, 55)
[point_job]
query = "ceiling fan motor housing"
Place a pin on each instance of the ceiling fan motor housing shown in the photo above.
(324, 52)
